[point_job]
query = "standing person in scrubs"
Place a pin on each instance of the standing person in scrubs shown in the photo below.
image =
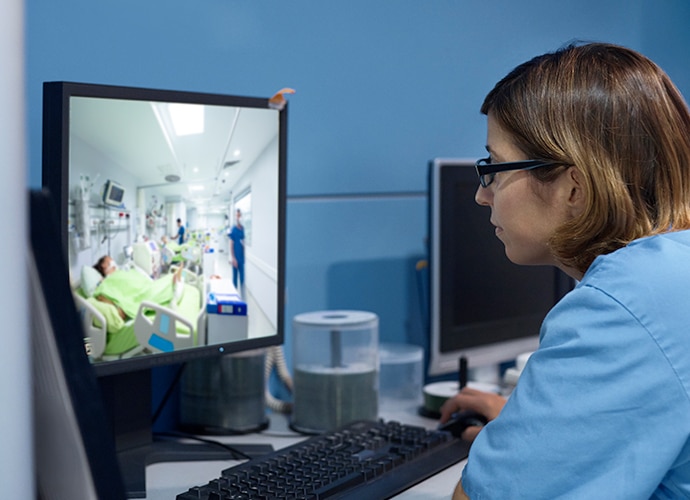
(237, 252)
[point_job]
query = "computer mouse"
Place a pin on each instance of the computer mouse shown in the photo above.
(461, 421)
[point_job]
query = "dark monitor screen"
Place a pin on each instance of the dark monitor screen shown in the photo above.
(483, 307)
(169, 155)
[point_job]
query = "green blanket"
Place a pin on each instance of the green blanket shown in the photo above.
(129, 288)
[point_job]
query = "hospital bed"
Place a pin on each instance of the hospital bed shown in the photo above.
(154, 328)
(189, 253)
(147, 257)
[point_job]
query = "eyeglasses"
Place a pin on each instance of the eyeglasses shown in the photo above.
(487, 170)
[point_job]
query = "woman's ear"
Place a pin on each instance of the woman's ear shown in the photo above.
(577, 195)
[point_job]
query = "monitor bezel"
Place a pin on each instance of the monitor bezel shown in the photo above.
(55, 173)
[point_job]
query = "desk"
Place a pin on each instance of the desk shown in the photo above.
(165, 480)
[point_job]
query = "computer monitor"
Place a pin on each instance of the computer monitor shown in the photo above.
(483, 308)
(113, 194)
(74, 456)
(192, 156)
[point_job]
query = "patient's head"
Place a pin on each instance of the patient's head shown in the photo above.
(105, 265)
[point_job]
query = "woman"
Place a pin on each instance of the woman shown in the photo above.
(602, 409)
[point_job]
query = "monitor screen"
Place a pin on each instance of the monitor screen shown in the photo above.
(113, 194)
(125, 164)
(193, 170)
(483, 307)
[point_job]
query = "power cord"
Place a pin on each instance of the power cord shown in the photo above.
(235, 453)
(275, 358)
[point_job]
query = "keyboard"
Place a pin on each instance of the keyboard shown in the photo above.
(359, 461)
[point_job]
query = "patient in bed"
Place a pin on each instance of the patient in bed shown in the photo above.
(106, 265)
(127, 289)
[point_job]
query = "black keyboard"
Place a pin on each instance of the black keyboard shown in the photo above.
(362, 460)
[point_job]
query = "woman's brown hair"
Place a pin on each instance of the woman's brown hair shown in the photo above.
(617, 117)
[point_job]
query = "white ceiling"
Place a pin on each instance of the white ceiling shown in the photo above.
(138, 137)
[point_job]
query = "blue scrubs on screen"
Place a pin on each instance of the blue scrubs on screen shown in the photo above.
(602, 409)
(237, 241)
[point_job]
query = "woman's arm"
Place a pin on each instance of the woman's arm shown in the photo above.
(108, 301)
(459, 493)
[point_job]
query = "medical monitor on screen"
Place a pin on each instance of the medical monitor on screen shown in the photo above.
(482, 306)
(113, 194)
(124, 165)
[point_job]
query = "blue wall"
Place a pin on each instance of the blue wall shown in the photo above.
(382, 87)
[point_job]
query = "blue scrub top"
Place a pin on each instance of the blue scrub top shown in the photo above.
(602, 409)
(237, 237)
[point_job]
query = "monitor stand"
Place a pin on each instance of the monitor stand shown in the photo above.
(127, 399)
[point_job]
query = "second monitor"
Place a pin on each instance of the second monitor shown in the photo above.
(482, 306)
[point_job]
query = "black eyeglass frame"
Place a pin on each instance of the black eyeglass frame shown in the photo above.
(486, 169)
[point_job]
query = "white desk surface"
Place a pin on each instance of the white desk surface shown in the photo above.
(165, 480)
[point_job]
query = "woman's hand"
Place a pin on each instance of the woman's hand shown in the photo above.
(486, 403)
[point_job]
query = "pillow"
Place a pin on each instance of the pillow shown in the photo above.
(90, 278)
(109, 311)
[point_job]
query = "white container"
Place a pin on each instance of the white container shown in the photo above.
(336, 367)
(401, 377)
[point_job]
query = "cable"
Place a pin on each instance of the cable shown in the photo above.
(276, 358)
(282, 368)
(234, 451)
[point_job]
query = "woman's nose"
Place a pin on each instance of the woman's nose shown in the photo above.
(483, 195)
